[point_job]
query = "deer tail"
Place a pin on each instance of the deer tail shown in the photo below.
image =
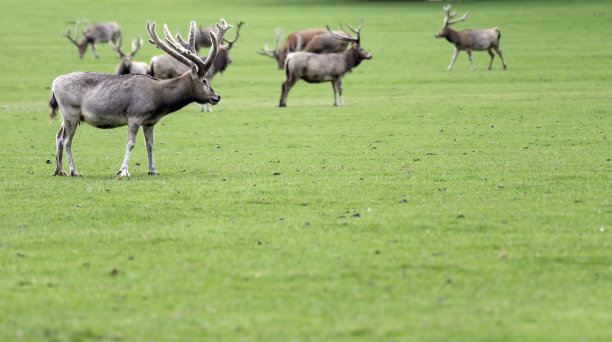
(53, 104)
(498, 33)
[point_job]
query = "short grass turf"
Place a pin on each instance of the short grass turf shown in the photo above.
(434, 206)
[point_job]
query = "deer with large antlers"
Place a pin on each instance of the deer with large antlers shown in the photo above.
(109, 101)
(94, 34)
(317, 68)
(469, 40)
(128, 65)
(165, 67)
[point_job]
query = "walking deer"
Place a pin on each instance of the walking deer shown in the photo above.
(127, 65)
(94, 34)
(165, 67)
(110, 101)
(469, 40)
(317, 68)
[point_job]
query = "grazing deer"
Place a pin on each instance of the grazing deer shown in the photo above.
(127, 65)
(109, 101)
(294, 42)
(165, 67)
(469, 40)
(317, 68)
(94, 34)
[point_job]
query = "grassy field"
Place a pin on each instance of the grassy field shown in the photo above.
(434, 206)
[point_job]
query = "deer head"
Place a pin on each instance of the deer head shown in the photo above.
(185, 53)
(355, 40)
(275, 53)
(82, 45)
(127, 58)
(447, 23)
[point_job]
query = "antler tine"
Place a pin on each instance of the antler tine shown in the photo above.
(279, 37)
(265, 51)
(116, 46)
(350, 38)
(164, 47)
(230, 42)
(214, 48)
(190, 44)
(465, 16)
(358, 32)
(136, 44)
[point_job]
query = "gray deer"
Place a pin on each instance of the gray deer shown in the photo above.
(128, 65)
(317, 68)
(109, 101)
(94, 34)
(469, 40)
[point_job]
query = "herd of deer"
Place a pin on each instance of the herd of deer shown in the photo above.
(141, 94)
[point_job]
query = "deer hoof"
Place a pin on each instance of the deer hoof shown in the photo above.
(123, 173)
(75, 174)
(153, 173)
(60, 173)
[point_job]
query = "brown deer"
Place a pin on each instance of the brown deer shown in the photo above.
(127, 65)
(294, 42)
(94, 34)
(109, 101)
(165, 67)
(469, 40)
(317, 68)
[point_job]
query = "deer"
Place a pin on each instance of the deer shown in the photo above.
(294, 42)
(165, 67)
(127, 65)
(110, 101)
(469, 40)
(94, 34)
(317, 68)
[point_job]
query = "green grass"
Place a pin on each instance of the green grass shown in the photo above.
(484, 197)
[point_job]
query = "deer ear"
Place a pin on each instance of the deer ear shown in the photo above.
(194, 73)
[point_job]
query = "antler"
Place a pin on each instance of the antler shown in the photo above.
(136, 44)
(271, 53)
(76, 35)
(116, 46)
(231, 42)
(167, 49)
(350, 37)
(449, 16)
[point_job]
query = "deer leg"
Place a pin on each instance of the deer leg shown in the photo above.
(206, 107)
(131, 141)
(500, 56)
(469, 52)
(285, 91)
(93, 49)
(333, 82)
(453, 60)
(339, 85)
(492, 55)
(59, 142)
(69, 130)
(150, 142)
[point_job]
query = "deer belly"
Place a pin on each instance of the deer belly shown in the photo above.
(104, 121)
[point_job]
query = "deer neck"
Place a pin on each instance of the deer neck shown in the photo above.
(176, 93)
(452, 36)
(352, 58)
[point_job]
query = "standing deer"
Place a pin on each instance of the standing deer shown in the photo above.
(294, 42)
(165, 67)
(94, 34)
(469, 40)
(127, 65)
(317, 68)
(109, 101)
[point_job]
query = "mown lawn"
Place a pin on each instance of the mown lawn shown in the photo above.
(433, 206)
